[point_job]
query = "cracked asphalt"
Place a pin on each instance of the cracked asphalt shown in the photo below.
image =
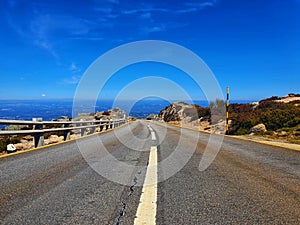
(248, 183)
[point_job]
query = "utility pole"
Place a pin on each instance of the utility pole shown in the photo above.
(227, 108)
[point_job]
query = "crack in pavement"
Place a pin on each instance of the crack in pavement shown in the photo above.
(123, 202)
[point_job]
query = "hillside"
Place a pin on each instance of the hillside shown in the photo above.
(275, 117)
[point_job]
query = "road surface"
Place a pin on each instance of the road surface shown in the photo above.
(248, 183)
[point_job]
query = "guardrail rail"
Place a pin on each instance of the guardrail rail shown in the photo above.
(38, 129)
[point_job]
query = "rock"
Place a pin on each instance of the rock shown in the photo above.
(24, 146)
(24, 141)
(170, 113)
(282, 134)
(186, 115)
(296, 133)
(258, 129)
(19, 146)
(28, 138)
(205, 126)
(254, 105)
(178, 111)
(54, 139)
(74, 136)
(219, 127)
(152, 117)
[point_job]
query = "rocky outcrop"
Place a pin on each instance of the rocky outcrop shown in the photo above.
(286, 99)
(179, 112)
(171, 112)
(192, 116)
(258, 129)
(289, 98)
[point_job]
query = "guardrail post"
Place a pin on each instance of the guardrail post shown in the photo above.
(66, 132)
(101, 126)
(38, 137)
(107, 125)
(111, 124)
(83, 130)
(93, 129)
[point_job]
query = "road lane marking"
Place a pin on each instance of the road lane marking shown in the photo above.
(153, 136)
(146, 212)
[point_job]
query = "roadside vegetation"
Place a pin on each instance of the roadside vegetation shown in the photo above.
(281, 120)
(273, 118)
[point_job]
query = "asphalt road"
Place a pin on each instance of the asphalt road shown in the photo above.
(247, 183)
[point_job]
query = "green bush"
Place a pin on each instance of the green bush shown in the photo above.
(275, 116)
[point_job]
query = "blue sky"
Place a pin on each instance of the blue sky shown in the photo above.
(251, 46)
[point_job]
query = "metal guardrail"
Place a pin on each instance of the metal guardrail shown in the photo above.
(38, 130)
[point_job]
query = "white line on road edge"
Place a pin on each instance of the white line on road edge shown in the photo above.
(146, 212)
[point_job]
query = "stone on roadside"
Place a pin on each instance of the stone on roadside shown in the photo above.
(258, 129)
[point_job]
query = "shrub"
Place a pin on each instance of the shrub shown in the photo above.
(275, 116)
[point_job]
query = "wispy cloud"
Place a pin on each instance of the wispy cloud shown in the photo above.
(75, 76)
(145, 10)
(44, 28)
(153, 29)
(201, 5)
(146, 15)
(46, 45)
(185, 7)
(188, 10)
(72, 80)
(74, 68)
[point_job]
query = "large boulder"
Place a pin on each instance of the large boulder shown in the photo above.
(179, 112)
(170, 113)
(258, 129)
